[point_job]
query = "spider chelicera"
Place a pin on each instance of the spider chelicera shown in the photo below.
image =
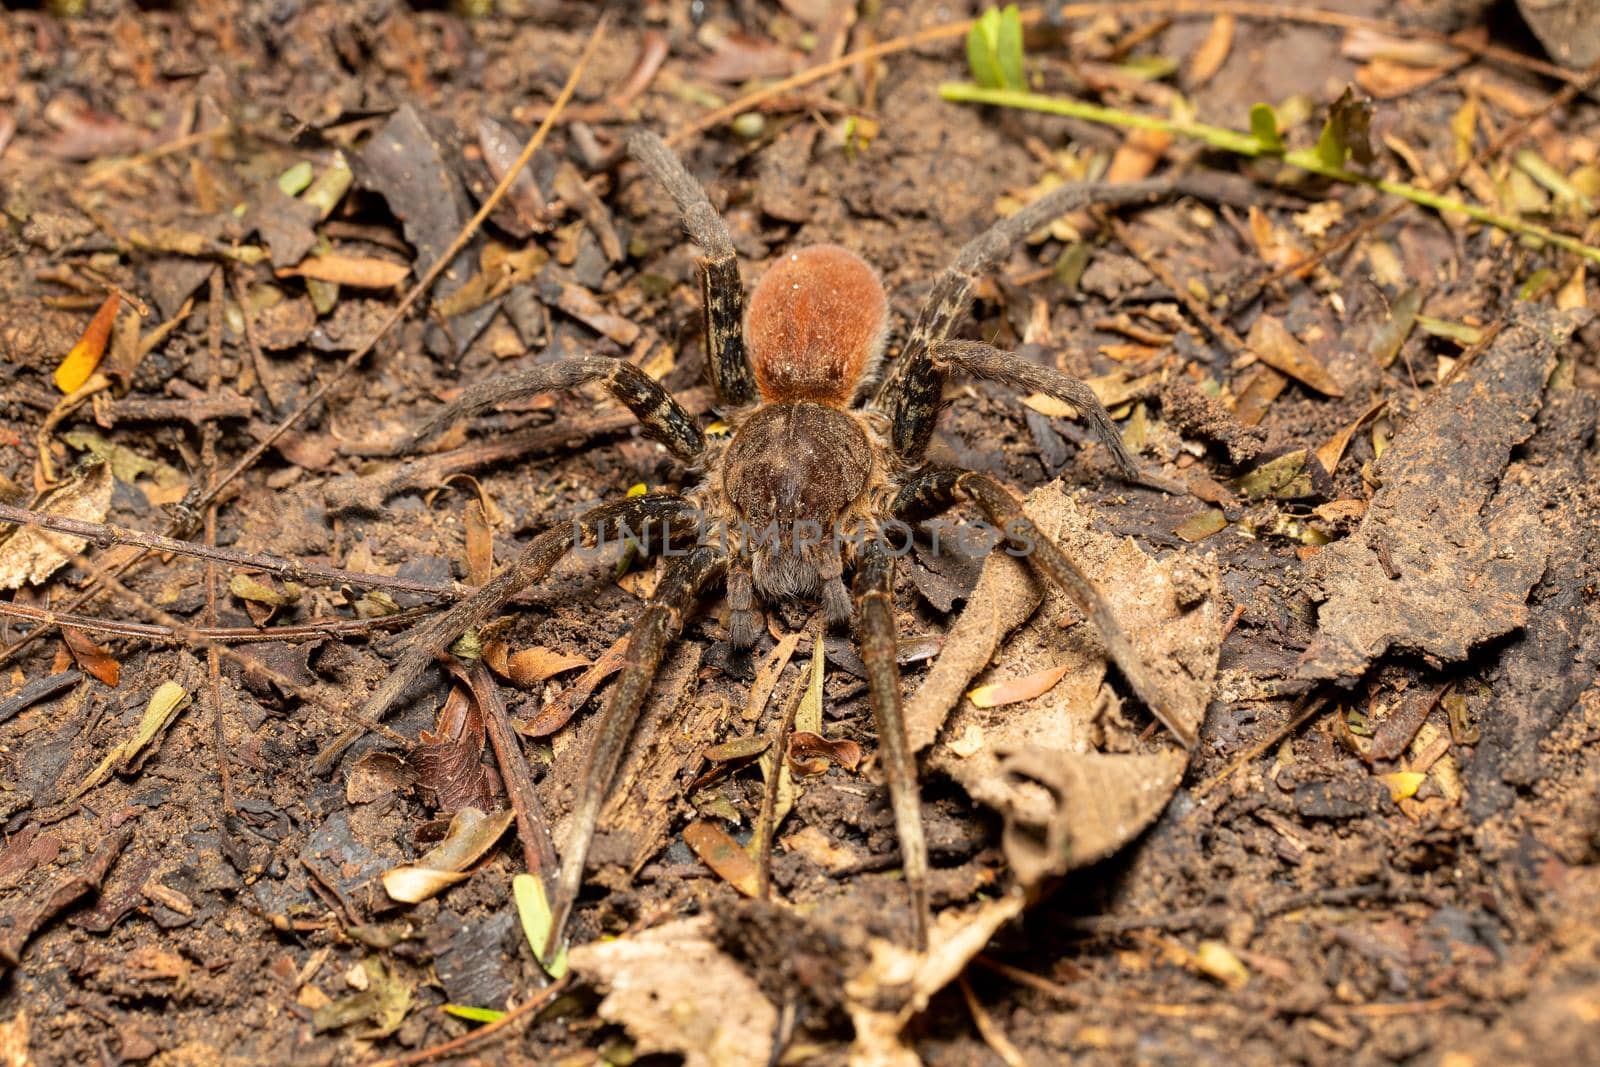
(814, 448)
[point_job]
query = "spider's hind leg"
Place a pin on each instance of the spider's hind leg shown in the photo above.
(429, 640)
(662, 621)
(874, 595)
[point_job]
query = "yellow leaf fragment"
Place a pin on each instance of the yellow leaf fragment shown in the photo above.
(165, 703)
(1218, 961)
(533, 909)
(1017, 690)
(1402, 784)
(85, 355)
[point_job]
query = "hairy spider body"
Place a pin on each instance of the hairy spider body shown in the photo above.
(799, 495)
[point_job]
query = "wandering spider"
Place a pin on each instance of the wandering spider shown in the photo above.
(812, 446)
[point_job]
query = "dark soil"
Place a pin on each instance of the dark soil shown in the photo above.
(201, 905)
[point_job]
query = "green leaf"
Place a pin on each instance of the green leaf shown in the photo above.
(533, 908)
(1346, 133)
(474, 1015)
(1008, 50)
(982, 43)
(994, 50)
(1264, 127)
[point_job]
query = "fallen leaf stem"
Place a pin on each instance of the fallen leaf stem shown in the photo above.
(1245, 144)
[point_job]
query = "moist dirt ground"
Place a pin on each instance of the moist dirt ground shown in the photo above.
(1385, 846)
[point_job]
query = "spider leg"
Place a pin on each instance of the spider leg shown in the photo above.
(744, 619)
(1008, 368)
(932, 490)
(662, 417)
(661, 621)
(430, 639)
(912, 391)
(721, 288)
(874, 595)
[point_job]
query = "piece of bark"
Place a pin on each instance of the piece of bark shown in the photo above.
(1440, 563)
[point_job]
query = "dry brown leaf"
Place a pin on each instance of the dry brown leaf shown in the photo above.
(675, 992)
(29, 555)
(358, 272)
(554, 715)
(448, 761)
(1035, 761)
(1271, 341)
(724, 855)
(897, 983)
(531, 666)
(91, 657)
(1333, 449)
(1213, 51)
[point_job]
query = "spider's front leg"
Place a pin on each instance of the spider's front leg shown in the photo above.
(874, 596)
(1008, 368)
(912, 392)
(721, 288)
(661, 621)
(661, 417)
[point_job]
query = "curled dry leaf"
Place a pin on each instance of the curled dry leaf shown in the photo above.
(29, 555)
(471, 834)
(90, 657)
(447, 761)
(897, 983)
(676, 992)
(810, 753)
(1035, 760)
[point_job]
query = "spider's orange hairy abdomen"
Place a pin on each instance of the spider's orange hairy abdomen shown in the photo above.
(816, 323)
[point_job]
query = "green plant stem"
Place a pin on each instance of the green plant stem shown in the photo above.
(1246, 144)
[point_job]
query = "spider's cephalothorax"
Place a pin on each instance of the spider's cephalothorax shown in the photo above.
(810, 460)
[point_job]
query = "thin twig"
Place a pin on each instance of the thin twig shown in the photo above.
(291, 569)
(988, 1029)
(1309, 708)
(538, 850)
(236, 635)
(766, 826)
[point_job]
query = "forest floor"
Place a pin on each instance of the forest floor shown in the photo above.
(1376, 574)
